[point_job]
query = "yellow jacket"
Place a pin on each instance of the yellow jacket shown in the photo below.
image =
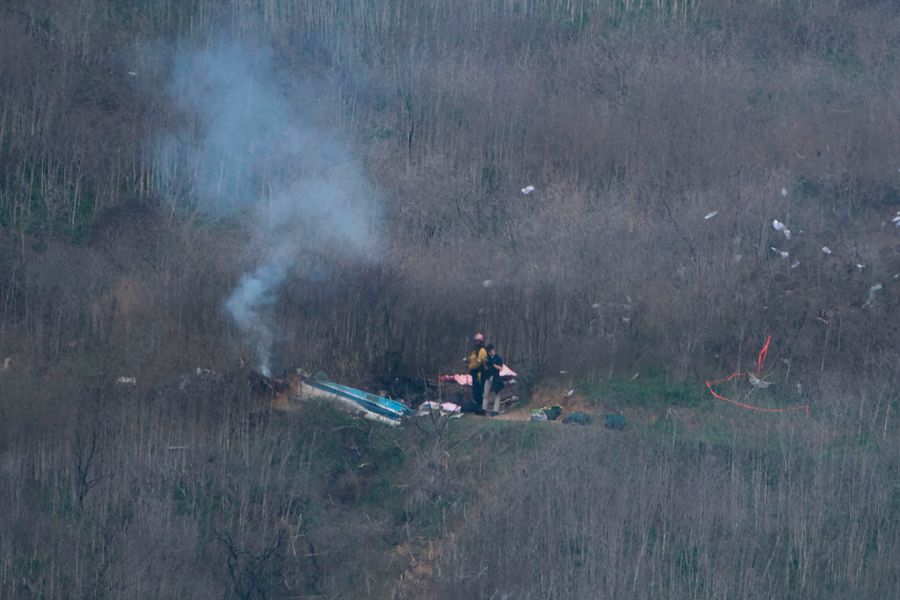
(477, 358)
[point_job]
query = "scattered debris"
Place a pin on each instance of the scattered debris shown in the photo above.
(795, 264)
(173, 448)
(569, 393)
(711, 215)
(447, 407)
(860, 266)
(466, 379)
(127, 380)
(577, 418)
(357, 402)
(6, 362)
(826, 249)
(487, 283)
(563, 372)
(781, 252)
(527, 189)
(784, 192)
(614, 422)
(552, 412)
(757, 383)
(779, 226)
(635, 376)
(132, 73)
(546, 413)
(872, 291)
(596, 305)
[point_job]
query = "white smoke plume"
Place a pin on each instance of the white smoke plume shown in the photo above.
(254, 147)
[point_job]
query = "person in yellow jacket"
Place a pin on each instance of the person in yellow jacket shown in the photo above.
(476, 363)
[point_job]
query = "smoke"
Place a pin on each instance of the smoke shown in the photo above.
(254, 147)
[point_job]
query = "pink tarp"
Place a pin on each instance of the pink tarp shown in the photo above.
(466, 379)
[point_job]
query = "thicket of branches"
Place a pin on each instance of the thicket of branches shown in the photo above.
(797, 508)
(633, 120)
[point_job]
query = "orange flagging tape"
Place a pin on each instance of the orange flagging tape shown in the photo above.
(760, 363)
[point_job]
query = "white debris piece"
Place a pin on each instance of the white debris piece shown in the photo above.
(527, 189)
(447, 407)
(596, 305)
(569, 393)
(487, 283)
(6, 362)
(711, 215)
(784, 192)
(826, 249)
(872, 291)
(896, 276)
(127, 380)
(132, 73)
(779, 226)
(781, 252)
(795, 264)
(860, 267)
(896, 220)
(758, 383)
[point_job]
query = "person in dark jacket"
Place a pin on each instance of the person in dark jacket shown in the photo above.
(493, 380)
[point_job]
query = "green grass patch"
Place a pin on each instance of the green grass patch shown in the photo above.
(649, 392)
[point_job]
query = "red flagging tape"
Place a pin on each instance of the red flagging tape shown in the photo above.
(760, 363)
(761, 357)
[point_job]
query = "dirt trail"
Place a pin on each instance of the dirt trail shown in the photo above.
(548, 396)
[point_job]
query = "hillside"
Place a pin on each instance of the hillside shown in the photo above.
(627, 197)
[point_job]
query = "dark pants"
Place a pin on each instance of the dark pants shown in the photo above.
(477, 389)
